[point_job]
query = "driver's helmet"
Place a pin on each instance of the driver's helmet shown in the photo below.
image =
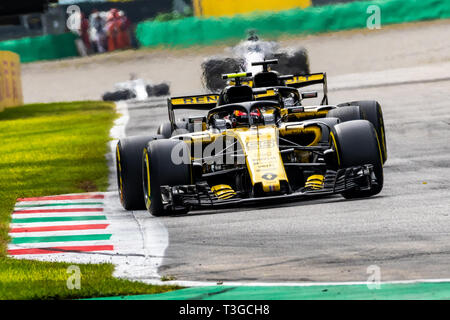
(252, 35)
(239, 118)
(256, 115)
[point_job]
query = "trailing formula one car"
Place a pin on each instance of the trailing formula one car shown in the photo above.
(138, 89)
(241, 57)
(246, 150)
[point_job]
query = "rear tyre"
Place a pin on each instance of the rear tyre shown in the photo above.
(159, 168)
(364, 110)
(357, 144)
(165, 129)
(344, 114)
(292, 63)
(157, 90)
(129, 173)
(213, 69)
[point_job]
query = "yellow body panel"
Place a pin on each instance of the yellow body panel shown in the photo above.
(120, 170)
(223, 191)
(269, 93)
(315, 182)
(305, 78)
(147, 167)
(243, 82)
(212, 98)
(263, 156)
(261, 149)
(301, 129)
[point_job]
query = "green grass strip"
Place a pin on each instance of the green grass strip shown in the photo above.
(27, 279)
(58, 204)
(54, 219)
(84, 237)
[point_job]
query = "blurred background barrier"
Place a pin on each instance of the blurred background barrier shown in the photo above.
(43, 47)
(209, 8)
(10, 81)
(38, 29)
(344, 16)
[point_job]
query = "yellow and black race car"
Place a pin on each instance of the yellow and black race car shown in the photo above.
(244, 151)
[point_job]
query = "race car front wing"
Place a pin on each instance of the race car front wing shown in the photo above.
(200, 196)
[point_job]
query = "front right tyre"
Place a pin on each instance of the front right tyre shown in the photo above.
(369, 110)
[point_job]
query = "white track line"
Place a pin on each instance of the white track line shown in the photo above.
(58, 214)
(59, 233)
(58, 244)
(56, 223)
(59, 206)
(288, 284)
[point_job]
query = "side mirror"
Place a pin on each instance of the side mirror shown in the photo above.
(296, 109)
(309, 95)
(220, 124)
(269, 118)
(198, 123)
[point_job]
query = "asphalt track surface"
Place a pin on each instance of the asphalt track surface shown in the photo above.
(405, 230)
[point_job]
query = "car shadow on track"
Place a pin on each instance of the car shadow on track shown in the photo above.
(328, 200)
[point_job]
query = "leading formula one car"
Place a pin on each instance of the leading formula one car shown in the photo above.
(244, 151)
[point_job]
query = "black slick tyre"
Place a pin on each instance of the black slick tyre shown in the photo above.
(129, 172)
(213, 69)
(356, 144)
(164, 162)
(296, 62)
(165, 130)
(365, 110)
(118, 95)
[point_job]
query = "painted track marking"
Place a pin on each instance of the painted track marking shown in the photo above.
(59, 228)
(61, 249)
(55, 231)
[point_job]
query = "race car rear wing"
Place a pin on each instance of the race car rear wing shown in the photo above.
(197, 102)
(300, 81)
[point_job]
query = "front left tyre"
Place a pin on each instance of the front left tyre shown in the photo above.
(165, 162)
(129, 172)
